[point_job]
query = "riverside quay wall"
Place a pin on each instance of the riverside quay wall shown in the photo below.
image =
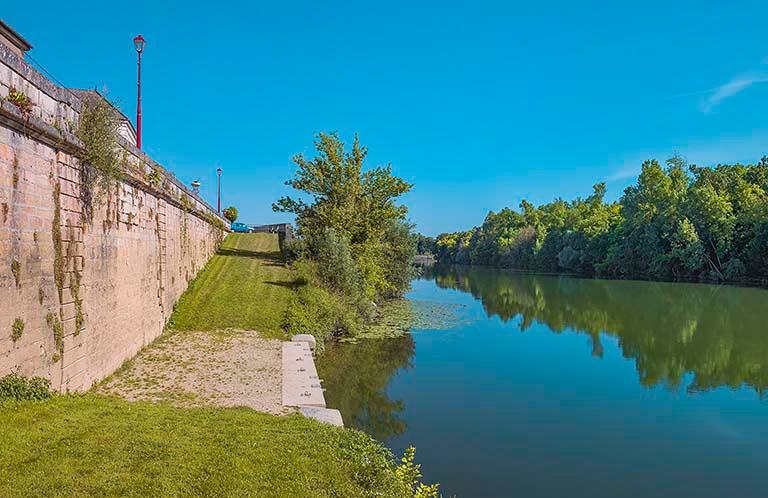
(87, 275)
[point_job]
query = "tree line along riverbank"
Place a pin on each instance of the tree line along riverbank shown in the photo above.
(678, 221)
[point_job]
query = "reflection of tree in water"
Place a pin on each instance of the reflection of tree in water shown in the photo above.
(357, 375)
(718, 333)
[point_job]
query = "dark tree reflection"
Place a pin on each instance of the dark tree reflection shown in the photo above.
(357, 376)
(719, 333)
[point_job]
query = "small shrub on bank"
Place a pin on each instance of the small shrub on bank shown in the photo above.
(314, 310)
(20, 388)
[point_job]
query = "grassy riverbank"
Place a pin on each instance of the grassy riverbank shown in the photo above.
(246, 285)
(93, 445)
(97, 446)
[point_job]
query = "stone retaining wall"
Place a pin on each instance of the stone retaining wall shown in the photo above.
(89, 290)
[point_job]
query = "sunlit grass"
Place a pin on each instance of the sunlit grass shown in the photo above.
(97, 446)
(245, 286)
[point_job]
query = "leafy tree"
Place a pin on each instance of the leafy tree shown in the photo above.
(230, 213)
(359, 206)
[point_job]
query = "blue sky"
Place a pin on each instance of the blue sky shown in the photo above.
(480, 104)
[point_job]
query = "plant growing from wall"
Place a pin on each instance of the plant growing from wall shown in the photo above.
(186, 203)
(15, 172)
(74, 286)
(230, 213)
(155, 177)
(16, 271)
(18, 329)
(58, 257)
(101, 165)
(21, 100)
(58, 335)
(184, 232)
(74, 281)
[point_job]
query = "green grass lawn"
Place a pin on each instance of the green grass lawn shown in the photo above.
(94, 446)
(245, 286)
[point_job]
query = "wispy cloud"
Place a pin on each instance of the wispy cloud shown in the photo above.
(734, 86)
(731, 88)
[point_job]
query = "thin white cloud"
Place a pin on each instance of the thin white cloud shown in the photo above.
(736, 85)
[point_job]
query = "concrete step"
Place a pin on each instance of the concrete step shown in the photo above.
(301, 384)
(324, 415)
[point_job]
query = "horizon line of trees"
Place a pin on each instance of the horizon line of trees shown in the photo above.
(676, 221)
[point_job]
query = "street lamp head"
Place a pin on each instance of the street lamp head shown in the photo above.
(139, 42)
(218, 171)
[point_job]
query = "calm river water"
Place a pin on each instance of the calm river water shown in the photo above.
(562, 387)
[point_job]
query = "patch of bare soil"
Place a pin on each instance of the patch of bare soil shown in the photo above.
(222, 368)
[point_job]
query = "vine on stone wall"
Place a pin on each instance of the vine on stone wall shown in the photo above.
(184, 232)
(15, 172)
(101, 166)
(74, 279)
(16, 271)
(58, 335)
(58, 257)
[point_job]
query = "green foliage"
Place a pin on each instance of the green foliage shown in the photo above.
(327, 304)
(155, 177)
(186, 204)
(58, 334)
(677, 221)
(17, 329)
(425, 245)
(410, 473)
(58, 255)
(20, 388)
(230, 213)
(359, 206)
(20, 100)
(337, 270)
(101, 163)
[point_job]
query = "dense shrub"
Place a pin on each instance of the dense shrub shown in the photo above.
(313, 309)
(336, 269)
(20, 388)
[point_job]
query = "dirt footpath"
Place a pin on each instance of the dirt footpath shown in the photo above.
(222, 368)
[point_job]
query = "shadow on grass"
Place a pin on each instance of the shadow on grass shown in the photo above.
(245, 253)
(287, 285)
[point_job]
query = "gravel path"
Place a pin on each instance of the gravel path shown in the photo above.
(221, 368)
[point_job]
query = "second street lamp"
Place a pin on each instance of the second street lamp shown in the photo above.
(138, 44)
(218, 197)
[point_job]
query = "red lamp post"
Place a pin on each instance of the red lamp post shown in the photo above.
(138, 44)
(218, 201)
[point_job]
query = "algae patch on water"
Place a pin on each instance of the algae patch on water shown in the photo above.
(401, 316)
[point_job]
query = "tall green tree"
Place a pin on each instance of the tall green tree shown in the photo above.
(358, 205)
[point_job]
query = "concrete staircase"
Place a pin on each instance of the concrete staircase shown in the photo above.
(301, 385)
